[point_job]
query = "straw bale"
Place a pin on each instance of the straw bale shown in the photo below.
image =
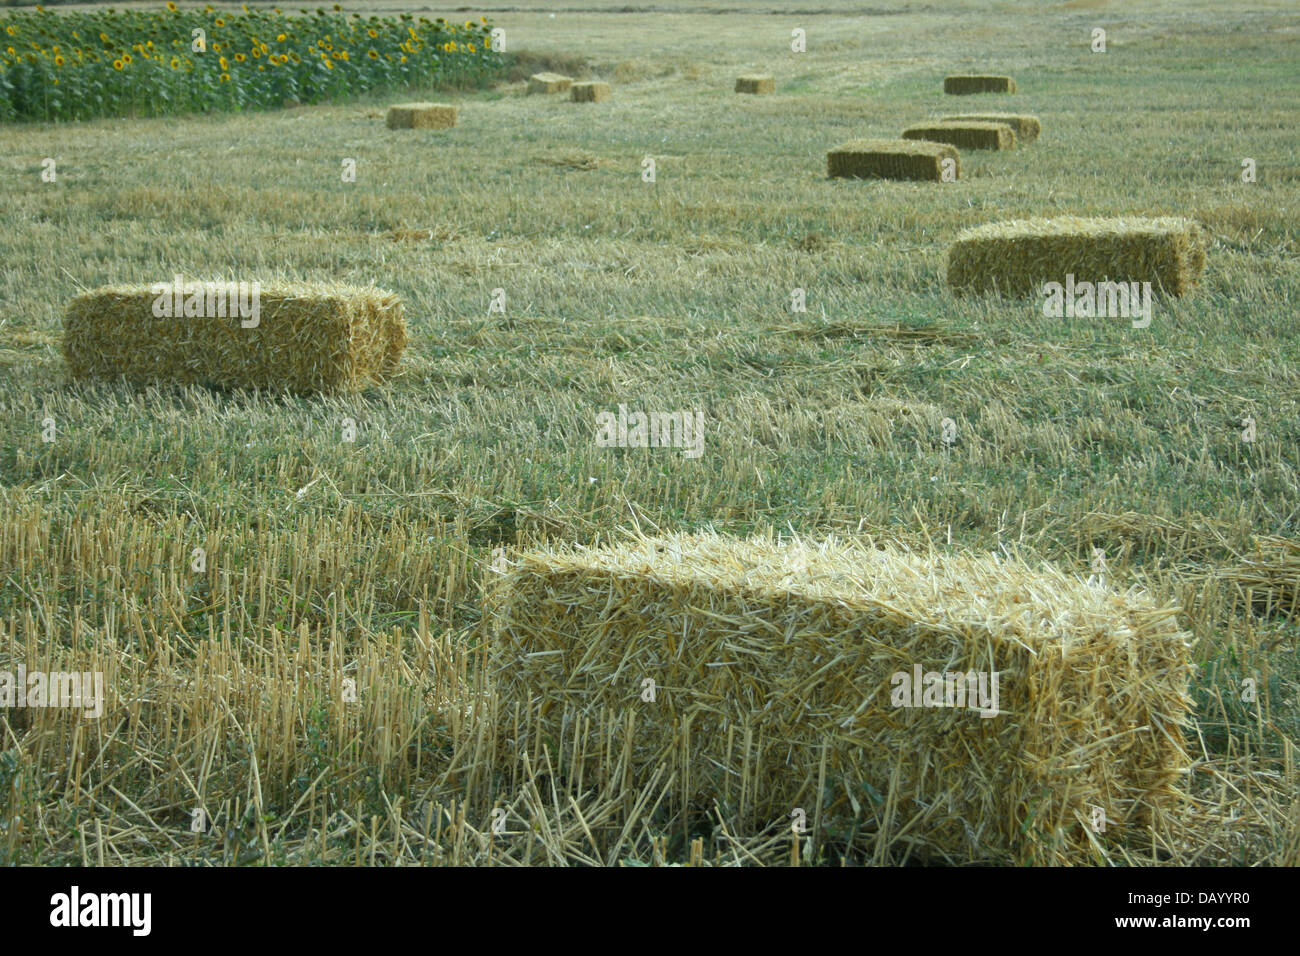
(591, 92)
(1016, 258)
(1027, 127)
(771, 657)
(965, 135)
(755, 84)
(308, 338)
(421, 116)
(549, 83)
(891, 159)
(978, 84)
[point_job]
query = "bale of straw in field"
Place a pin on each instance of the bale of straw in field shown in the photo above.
(978, 84)
(590, 92)
(421, 116)
(306, 338)
(891, 159)
(965, 135)
(755, 84)
(1017, 258)
(962, 707)
(549, 83)
(1027, 127)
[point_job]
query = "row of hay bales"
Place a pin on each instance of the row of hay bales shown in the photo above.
(320, 338)
(444, 115)
(327, 339)
(1017, 258)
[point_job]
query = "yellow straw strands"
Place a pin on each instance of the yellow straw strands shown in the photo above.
(590, 92)
(1017, 258)
(421, 116)
(755, 84)
(978, 84)
(892, 159)
(1027, 127)
(304, 338)
(549, 83)
(965, 135)
(949, 707)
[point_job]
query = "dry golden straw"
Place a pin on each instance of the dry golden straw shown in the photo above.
(307, 338)
(755, 84)
(1027, 127)
(779, 669)
(978, 84)
(421, 116)
(891, 159)
(590, 92)
(549, 83)
(1016, 258)
(965, 135)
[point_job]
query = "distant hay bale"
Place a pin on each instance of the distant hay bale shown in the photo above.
(960, 85)
(1027, 127)
(891, 159)
(421, 116)
(307, 338)
(965, 135)
(590, 92)
(781, 680)
(549, 83)
(755, 84)
(1016, 258)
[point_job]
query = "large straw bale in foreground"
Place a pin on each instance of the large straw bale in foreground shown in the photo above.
(307, 338)
(964, 84)
(770, 658)
(591, 92)
(1016, 258)
(891, 159)
(421, 116)
(1027, 127)
(755, 84)
(549, 83)
(965, 135)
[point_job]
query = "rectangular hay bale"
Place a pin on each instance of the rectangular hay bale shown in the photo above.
(891, 159)
(972, 83)
(591, 92)
(965, 135)
(549, 83)
(755, 84)
(774, 660)
(1016, 258)
(421, 116)
(1027, 127)
(307, 338)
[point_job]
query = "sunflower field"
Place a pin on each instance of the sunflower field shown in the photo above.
(149, 63)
